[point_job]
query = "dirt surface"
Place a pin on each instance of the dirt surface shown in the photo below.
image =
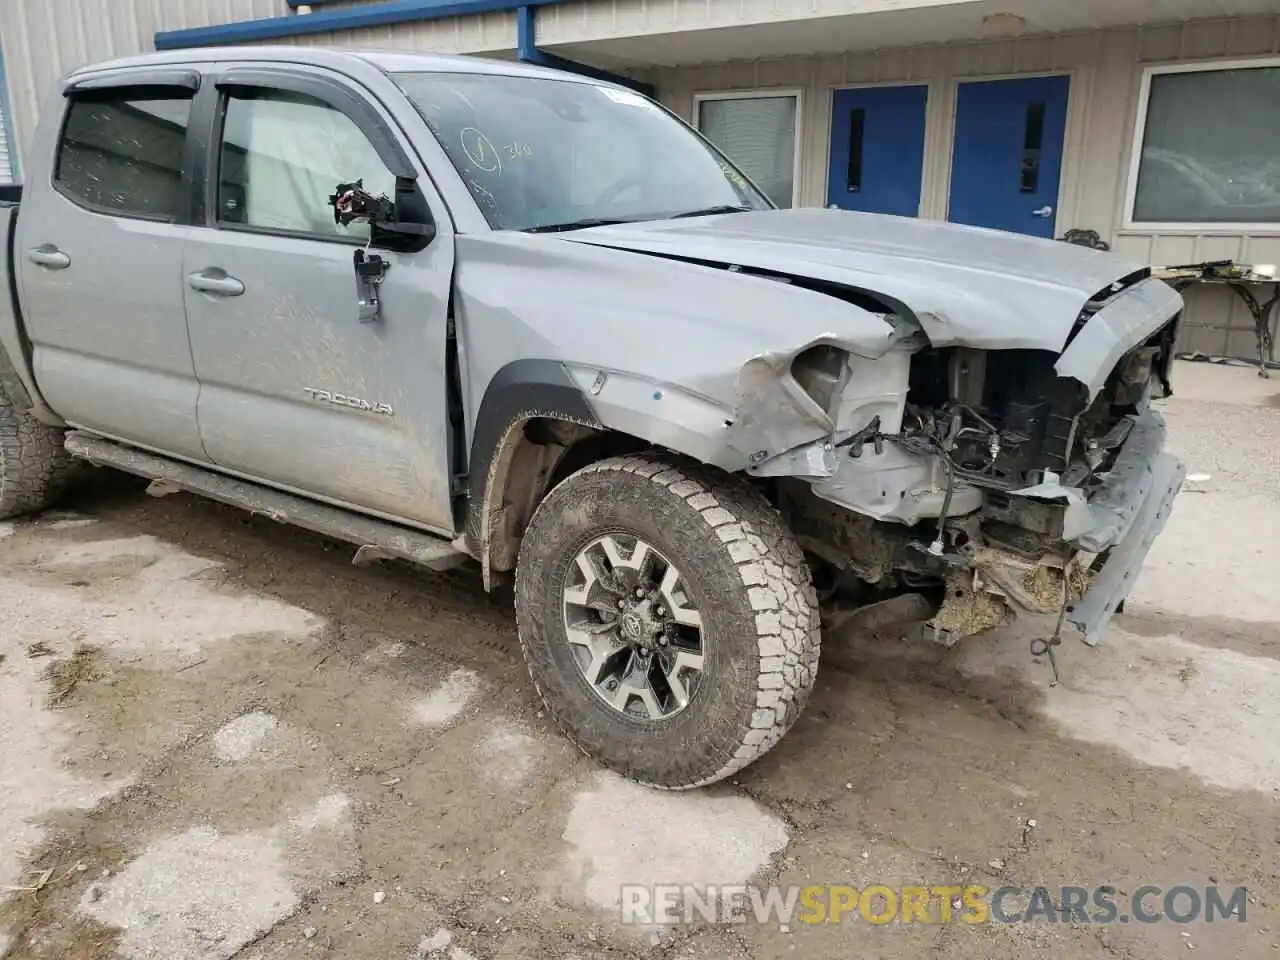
(219, 739)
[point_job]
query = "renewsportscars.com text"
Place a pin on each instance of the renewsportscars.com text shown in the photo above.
(672, 904)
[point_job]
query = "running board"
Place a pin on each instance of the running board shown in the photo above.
(376, 539)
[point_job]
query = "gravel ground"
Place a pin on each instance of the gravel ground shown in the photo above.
(218, 739)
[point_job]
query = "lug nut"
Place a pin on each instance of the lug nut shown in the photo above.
(639, 592)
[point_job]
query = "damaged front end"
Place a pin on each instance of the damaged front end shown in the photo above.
(994, 480)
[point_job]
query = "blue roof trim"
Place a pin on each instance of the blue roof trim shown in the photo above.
(527, 50)
(348, 18)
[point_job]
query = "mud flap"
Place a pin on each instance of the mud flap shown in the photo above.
(1092, 613)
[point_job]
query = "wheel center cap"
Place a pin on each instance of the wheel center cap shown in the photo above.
(632, 626)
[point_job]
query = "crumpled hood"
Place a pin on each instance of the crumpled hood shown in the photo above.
(979, 288)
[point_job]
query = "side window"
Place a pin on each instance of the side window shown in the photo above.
(282, 156)
(122, 152)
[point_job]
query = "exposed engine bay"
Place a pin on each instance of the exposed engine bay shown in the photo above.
(997, 485)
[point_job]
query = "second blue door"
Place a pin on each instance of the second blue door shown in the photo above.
(877, 149)
(1007, 160)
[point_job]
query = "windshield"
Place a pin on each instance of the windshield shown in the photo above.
(544, 154)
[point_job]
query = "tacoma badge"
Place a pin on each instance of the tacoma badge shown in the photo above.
(342, 400)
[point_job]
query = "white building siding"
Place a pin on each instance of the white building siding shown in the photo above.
(1106, 69)
(42, 40)
(486, 34)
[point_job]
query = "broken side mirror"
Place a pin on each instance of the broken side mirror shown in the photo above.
(403, 224)
(410, 227)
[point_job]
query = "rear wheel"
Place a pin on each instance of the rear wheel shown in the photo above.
(668, 619)
(34, 464)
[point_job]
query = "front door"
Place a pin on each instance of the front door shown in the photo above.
(296, 389)
(877, 149)
(1007, 160)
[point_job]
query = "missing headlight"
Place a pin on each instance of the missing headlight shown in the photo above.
(821, 372)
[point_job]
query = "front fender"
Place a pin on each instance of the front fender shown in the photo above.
(660, 413)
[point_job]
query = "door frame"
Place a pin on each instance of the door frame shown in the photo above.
(1068, 181)
(932, 86)
(760, 93)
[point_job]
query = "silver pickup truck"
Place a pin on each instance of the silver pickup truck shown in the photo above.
(453, 310)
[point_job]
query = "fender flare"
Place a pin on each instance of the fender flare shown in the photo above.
(519, 392)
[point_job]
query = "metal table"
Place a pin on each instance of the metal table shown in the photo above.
(1244, 279)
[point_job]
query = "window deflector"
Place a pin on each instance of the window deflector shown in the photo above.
(188, 80)
(343, 99)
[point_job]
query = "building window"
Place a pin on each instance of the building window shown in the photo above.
(757, 131)
(1207, 154)
(7, 149)
(8, 146)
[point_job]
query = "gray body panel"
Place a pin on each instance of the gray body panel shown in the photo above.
(1110, 333)
(295, 328)
(966, 285)
(669, 338)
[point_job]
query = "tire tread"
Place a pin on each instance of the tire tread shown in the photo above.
(34, 464)
(776, 579)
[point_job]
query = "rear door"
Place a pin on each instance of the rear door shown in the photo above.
(99, 257)
(296, 389)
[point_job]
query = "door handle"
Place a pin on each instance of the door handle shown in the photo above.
(48, 255)
(1043, 212)
(215, 280)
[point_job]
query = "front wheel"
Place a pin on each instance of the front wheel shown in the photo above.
(668, 619)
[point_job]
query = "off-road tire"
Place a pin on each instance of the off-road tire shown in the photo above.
(744, 573)
(34, 464)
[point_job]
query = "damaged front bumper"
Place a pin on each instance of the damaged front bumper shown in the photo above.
(1109, 535)
(1112, 583)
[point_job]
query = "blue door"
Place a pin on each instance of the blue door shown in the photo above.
(1007, 160)
(877, 149)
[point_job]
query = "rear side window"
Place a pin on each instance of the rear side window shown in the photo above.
(122, 152)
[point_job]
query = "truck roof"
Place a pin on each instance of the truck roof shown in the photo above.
(388, 61)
